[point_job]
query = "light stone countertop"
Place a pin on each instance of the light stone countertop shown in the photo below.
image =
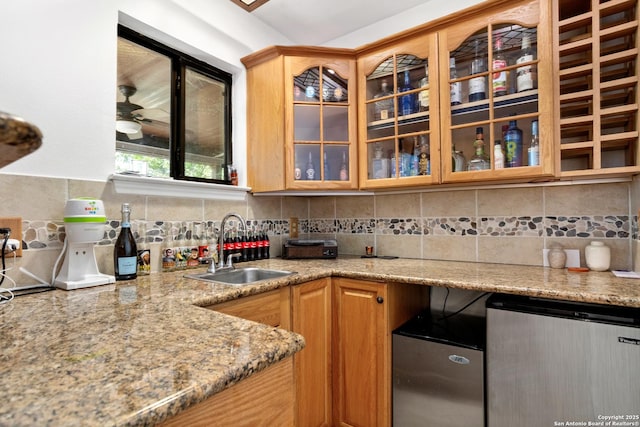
(138, 352)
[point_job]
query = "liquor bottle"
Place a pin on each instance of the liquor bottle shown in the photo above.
(125, 251)
(344, 170)
(534, 148)
(456, 87)
(310, 171)
(144, 252)
(525, 76)
(423, 96)
(477, 85)
(498, 155)
(424, 163)
(499, 77)
(384, 108)
(204, 256)
(326, 167)
(513, 145)
(407, 102)
(380, 165)
(479, 160)
(415, 159)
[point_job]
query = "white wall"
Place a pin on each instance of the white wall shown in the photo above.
(59, 71)
(59, 67)
(413, 17)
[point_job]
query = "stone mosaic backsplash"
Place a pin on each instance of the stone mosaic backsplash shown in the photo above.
(50, 234)
(602, 227)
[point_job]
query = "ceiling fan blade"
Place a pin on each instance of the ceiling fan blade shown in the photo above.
(156, 114)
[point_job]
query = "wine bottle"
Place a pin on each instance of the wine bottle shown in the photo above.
(310, 171)
(125, 252)
(499, 75)
(526, 75)
(477, 85)
(407, 102)
(456, 87)
(344, 170)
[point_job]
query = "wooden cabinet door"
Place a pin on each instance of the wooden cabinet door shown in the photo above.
(506, 111)
(362, 352)
(320, 133)
(311, 317)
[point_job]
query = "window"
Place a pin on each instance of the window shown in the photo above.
(173, 113)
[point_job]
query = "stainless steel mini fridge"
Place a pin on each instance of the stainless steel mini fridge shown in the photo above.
(438, 372)
(553, 362)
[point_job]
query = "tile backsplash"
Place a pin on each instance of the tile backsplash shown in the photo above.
(503, 225)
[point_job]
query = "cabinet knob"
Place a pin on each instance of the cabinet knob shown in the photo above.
(380, 300)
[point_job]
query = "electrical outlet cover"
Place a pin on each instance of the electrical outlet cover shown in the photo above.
(15, 224)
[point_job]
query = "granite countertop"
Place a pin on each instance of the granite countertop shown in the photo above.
(138, 352)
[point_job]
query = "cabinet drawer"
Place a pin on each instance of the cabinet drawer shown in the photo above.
(270, 308)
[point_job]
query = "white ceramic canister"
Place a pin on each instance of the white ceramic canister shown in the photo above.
(598, 256)
(557, 257)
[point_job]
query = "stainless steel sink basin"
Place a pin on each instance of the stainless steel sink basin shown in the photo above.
(241, 276)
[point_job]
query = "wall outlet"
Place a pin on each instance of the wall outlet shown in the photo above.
(573, 258)
(294, 229)
(15, 224)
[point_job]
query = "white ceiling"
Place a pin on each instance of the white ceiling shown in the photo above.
(314, 22)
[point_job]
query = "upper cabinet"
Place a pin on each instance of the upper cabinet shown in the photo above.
(398, 114)
(496, 95)
(511, 91)
(469, 99)
(301, 109)
(597, 97)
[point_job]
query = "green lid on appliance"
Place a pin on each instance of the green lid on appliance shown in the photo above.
(84, 209)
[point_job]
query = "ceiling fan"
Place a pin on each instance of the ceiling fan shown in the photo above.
(134, 120)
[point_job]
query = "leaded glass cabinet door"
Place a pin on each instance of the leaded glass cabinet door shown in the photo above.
(320, 132)
(497, 90)
(399, 126)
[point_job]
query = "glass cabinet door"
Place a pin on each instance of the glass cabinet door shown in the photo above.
(322, 152)
(492, 128)
(401, 143)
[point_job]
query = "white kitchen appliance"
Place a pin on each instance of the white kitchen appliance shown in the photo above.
(84, 220)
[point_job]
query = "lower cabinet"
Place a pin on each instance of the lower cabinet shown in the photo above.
(365, 314)
(343, 375)
(263, 399)
(311, 318)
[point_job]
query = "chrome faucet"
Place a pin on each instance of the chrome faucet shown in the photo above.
(221, 263)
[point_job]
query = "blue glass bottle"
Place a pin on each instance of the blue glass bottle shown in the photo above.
(407, 102)
(513, 145)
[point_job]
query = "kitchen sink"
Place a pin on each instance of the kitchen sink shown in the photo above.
(240, 276)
